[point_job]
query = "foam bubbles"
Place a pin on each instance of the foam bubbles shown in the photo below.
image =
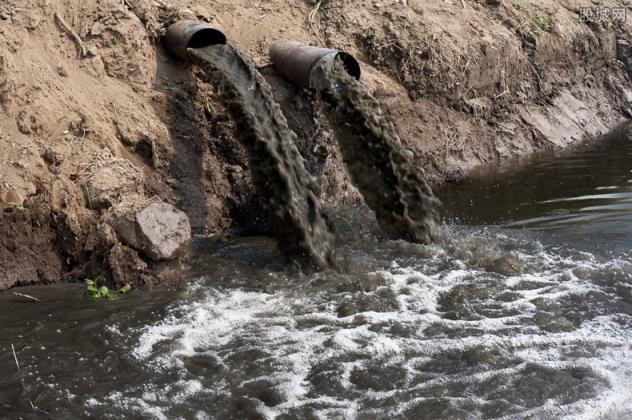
(441, 334)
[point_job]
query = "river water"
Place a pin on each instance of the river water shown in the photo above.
(525, 313)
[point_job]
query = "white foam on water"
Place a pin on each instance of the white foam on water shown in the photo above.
(294, 341)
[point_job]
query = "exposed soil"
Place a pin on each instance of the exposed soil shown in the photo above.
(86, 137)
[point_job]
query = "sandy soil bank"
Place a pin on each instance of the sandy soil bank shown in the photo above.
(95, 131)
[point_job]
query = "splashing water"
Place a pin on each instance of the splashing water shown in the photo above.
(487, 327)
(494, 323)
(490, 326)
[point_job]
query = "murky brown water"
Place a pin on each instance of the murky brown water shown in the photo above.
(380, 167)
(514, 318)
(277, 166)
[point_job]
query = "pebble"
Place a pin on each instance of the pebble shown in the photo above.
(61, 70)
(13, 198)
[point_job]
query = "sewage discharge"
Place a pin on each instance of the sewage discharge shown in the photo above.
(381, 168)
(277, 166)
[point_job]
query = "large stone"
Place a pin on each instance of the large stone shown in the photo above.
(158, 231)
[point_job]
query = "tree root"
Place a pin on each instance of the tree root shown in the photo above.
(83, 52)
(310, 21)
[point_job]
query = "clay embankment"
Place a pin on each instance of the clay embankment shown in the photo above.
(92, 133)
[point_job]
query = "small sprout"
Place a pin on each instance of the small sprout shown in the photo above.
(125, 289)
(98, 290)
(543, 22)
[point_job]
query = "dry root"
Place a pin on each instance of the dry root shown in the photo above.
(83, 52)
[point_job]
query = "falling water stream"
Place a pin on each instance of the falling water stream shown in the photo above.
(381, 168)
(524, 312)
(277, 166)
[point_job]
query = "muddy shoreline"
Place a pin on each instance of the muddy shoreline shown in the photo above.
(89, 138)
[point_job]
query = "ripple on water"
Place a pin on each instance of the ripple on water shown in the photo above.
(431, 333)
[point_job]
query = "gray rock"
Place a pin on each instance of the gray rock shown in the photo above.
(158, 231)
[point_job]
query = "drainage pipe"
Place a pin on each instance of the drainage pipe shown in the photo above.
(295, 60)
(187, 34)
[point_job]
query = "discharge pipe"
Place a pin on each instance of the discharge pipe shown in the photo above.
(295, 60)
(187, 34)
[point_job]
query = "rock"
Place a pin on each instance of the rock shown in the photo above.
(13, 198)
(53, 156)
(108, 184)
(97, 29)
(127, 266)
(158, 231)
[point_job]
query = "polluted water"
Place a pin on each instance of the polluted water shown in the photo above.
(511, 317)
(278, 170)
(383, 170)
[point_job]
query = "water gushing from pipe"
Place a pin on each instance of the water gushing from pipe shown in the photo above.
(381, 168)
(277, 166)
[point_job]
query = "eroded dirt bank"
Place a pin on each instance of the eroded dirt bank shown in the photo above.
(89, 135)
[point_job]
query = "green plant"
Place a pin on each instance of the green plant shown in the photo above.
(98, 289)
(543, 22)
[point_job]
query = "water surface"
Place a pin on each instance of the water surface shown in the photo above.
(519, 316)
(581, 196)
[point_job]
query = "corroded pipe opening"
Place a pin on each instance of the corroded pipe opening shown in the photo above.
(187, 34)
(295, 61)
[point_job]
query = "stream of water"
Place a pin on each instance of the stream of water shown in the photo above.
(277, 166)
(392, 186)
(526, 312)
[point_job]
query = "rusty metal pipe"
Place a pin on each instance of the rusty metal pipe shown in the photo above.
(295, 60)
(187, 34)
